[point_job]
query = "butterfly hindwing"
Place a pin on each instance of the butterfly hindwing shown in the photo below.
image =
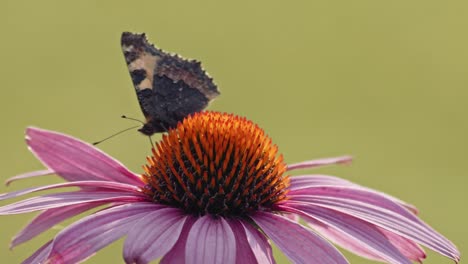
(168, 87)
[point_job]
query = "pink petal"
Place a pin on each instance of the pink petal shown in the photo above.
(40, 255)
(319, 163)
(365, 237)
(65, 199)
(48, 219)
(177, 253)
(355, 193)
(316, 180)
(252, 246)
(298, 243)
(84, 238)
(29, 175)
(305, 182)
(153, 235)
(244, 254)
(407, 247)
(344, 241)
(76, 160)
(292, 217)
(210, 240)
(102, 185)
(375, 209)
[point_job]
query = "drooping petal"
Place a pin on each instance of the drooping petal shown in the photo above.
(103, 185)
(376, 209)
(82, 239)
(319, 163)
(259, 245)
(298, 243)
(365, 236)
(75, 160)
(48, 219)
(316, 180)
(65, 199)
(153, 235)
(343, 241)
(407, 247)
(353, 193)
(177, 253)
(210, 240)
(40, 255)
(29, 175)
(292, 217)
(305, 182)
(244, 253)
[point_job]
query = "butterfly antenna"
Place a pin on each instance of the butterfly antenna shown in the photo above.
(143, 123)
(111, 136)
(134, 119)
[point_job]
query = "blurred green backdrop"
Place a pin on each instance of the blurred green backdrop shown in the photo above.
(385, 81)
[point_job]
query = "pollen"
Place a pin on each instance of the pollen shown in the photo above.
(216, 163)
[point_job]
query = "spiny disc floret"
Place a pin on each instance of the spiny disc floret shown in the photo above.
(216, 163)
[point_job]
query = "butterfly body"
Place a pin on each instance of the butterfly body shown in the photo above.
(168, 87)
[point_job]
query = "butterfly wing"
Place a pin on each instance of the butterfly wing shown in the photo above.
(168, 87)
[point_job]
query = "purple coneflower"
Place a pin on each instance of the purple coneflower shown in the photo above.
(214, 191)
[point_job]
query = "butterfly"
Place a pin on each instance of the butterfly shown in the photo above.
(168, 87)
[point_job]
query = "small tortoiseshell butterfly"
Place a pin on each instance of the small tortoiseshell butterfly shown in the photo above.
(168, 87)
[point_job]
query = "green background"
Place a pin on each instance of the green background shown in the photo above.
(384, 81)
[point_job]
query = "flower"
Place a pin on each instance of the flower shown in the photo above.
(214, 191)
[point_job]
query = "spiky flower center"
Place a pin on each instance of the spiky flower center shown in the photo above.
(216, 163)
